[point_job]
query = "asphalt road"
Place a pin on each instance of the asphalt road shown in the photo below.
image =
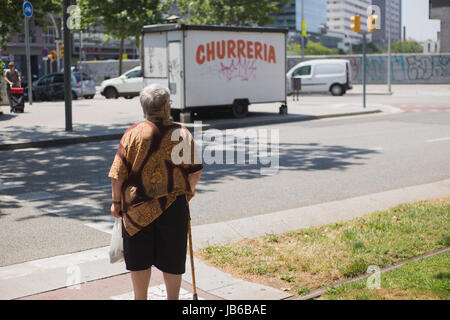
(54, 201)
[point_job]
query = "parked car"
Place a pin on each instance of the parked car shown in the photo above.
(333, 75)
(51, 87)
(128, 85)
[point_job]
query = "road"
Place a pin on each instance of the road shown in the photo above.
(55, 201)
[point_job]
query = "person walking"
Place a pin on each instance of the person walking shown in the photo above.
(154, 176)
(13, 79)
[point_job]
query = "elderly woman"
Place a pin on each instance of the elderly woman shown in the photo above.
(153, 177)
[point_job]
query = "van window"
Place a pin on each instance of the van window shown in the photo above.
(302, 71)
(134, 74)
(328, 69)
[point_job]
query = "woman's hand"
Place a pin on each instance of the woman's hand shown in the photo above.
(115, 210)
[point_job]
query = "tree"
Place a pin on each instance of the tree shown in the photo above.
(229, 12)
(371, 48)
(311, 49)
(410, 46)
(121, 19)
(11, 16)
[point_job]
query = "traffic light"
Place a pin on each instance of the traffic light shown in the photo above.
(61, 51)
(52, 57)
(372, 23)
(356, 23)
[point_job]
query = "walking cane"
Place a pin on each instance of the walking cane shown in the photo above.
(191, 253)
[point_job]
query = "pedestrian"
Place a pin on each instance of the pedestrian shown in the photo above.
(13, 79)
(151, 189)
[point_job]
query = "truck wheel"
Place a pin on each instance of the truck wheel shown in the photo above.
(240, 109)
(283, 109)
(111, 93)
(337, 90)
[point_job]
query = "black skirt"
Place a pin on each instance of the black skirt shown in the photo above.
(163, 243)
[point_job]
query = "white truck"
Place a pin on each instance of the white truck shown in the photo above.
(215, 66)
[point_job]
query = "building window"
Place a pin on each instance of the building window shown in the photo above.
(49, 35)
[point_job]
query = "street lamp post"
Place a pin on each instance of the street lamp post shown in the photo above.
(67, 67)
(303, 37)
(189, 11)
(388, 16)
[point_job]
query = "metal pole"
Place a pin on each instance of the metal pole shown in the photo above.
(27, 40)
(67, 70)
(57, 41)
(81, 60)
(388, 16)
(303, 38)
(364, 70)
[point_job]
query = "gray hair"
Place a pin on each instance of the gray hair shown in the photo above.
(153, 99)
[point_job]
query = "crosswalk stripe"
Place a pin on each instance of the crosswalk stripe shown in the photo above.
(10, 185)
(31, 196)
(156, 293)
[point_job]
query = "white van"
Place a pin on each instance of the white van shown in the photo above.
(333, 75)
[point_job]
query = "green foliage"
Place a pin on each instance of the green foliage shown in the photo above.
(229, 12)
(122, 19)
(406, 47)
(11, 16)
(311, 49)
(371, 48)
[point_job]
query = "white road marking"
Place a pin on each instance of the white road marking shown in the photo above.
(438, 139)
(156, 293)
(103, 226)
(32, 196)
(10, 185)
(76, 208)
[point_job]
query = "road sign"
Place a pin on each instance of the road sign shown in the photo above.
(27, 9)
(124, 56)
(45, 52)
(304, 28)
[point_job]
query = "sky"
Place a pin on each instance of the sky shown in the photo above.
(415, 18)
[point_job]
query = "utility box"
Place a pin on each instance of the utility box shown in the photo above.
(209, 67)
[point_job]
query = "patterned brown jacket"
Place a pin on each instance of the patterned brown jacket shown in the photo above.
(153, 161)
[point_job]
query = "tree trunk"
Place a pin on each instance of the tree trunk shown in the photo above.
(122, 38)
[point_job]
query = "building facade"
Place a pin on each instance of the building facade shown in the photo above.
(440, 10)
(338, 18)
(95, 46)
(314, 13)
(390, 20)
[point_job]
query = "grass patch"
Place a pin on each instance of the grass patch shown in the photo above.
(428, 278)
(313, 258)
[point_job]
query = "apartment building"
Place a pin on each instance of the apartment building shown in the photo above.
(391, 19)
(338, 18)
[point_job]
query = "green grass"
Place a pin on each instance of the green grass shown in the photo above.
(308, 259)
(428, 278)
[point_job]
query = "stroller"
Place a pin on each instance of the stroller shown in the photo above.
(17, 100)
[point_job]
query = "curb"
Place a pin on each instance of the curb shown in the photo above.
(372, 94)
(116, 136)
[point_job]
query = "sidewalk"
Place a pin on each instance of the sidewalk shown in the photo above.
(58, 277)
(43, 123)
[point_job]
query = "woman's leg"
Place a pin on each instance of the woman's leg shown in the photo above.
(173, 284)
(141, 280)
